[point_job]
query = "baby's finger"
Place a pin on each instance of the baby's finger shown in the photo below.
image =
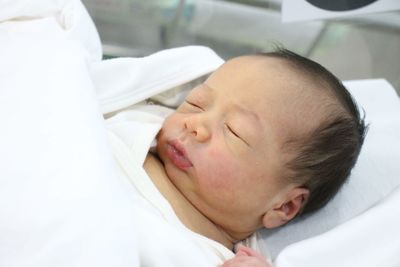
(242, 250)
(238, 260)
(249, 252)
(246, 261)
(242, 253)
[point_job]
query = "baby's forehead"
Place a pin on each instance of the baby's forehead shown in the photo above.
(258, 61)
(264, 68)
(286, 79)
(269, 71)
(297, 93)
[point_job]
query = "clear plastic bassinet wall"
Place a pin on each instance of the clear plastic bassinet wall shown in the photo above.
(356, 46)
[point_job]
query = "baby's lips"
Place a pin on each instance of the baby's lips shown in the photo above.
(177, 154)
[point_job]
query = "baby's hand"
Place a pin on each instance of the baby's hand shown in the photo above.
(246, 257)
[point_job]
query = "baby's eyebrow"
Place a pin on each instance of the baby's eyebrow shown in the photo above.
(248, 113)
(208, 89)
(250, 122)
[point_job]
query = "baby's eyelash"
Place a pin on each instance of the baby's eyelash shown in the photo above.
(235, 134)
(193, 104)
(232, 131)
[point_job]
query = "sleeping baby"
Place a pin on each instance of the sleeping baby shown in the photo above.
(264, 139)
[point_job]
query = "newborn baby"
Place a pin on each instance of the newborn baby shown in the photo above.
(264, 139)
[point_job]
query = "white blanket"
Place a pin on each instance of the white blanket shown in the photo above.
(63, 200)
(57, 177)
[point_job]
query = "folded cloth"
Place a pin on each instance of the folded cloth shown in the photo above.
(61, 200)
(49, 19)
(122, 82)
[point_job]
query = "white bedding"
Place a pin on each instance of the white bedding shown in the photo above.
(57, 178)
(370, 239)
(63, 201)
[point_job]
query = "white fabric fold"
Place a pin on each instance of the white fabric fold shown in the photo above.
(62, 202)
(122, 82)
(50, 20)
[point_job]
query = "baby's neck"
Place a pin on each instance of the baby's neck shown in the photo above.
(191, 217)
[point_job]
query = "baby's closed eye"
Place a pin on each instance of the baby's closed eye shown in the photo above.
(193, 104)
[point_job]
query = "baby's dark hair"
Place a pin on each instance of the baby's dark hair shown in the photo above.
(324, 158)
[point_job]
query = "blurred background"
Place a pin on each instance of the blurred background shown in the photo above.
(360, 47)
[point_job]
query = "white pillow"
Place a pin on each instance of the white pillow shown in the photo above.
(375, 175)
(369, 240)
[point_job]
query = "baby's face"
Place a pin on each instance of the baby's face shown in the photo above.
(222, 148)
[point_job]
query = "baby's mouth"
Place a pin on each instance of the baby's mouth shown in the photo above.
(177, 154)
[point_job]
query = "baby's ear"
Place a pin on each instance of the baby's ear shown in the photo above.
(287, 209)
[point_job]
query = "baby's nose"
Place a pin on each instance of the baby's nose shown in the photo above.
(197, 127)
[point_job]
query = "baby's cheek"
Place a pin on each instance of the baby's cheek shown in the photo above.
(221, 168)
